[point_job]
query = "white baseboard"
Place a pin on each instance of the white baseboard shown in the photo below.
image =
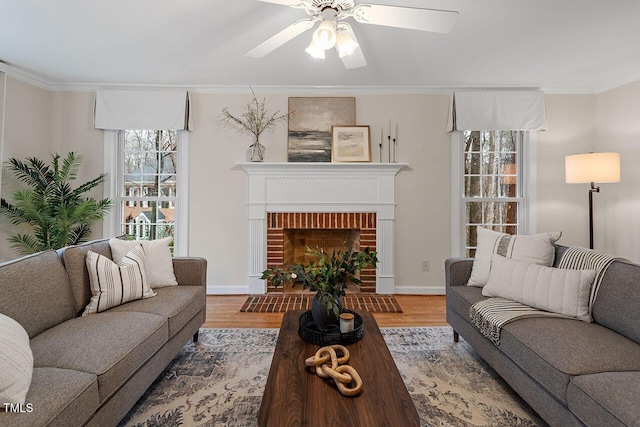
(406, 290)
(227, 290)
(420, 290)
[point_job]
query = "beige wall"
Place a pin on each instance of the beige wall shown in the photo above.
(571, 130)
(72, 130)
(27, 133)
(609, 121)
(40, 122)
(617, 206)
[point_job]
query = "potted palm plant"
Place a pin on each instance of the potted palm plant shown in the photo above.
(57, 213)
(328, 275)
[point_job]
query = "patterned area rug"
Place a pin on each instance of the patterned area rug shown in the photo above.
(219, 382)
(372, 303)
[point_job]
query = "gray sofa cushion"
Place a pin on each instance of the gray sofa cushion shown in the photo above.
(177, 303)
(110, 345)
(606, 399)
(461, 298)
(35, 300)
(618, 299)
(552, 350)
(190, 271)
(60, 397)
(74, 261)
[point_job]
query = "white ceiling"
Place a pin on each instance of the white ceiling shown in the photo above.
(581, 46)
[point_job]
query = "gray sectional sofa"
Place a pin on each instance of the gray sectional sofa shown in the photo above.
(570, 372)
(91, 370)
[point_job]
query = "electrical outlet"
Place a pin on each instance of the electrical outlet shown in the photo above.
(426, 266)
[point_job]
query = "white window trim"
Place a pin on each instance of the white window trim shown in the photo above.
(112, 166)
(529, 195)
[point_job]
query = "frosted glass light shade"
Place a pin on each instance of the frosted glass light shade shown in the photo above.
(325, 35)
(345, 43)
(592, 167)
(314, 50)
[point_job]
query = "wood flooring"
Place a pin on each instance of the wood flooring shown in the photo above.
(223, 311)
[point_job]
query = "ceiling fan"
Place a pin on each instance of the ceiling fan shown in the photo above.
(333, 31)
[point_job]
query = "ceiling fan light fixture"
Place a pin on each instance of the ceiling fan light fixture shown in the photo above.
(345, 43)
(331, 15)
(325, 35)
(314, 50)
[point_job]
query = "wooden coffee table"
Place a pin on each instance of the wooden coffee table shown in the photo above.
(295, 396)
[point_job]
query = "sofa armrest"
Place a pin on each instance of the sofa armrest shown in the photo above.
(191, 271)
(457, 271)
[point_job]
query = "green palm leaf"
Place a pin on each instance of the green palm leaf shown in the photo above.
(58, 213)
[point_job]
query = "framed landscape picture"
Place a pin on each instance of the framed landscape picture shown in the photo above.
(351, 144)
(311, 125)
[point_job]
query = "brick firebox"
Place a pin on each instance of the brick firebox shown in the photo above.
(364, 224)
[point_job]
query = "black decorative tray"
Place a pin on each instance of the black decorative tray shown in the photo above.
(312, 333)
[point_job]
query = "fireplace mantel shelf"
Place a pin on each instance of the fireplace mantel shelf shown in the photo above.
(320, 168)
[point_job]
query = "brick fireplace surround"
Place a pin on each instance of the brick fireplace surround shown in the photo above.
(278, 223)
(304, 195)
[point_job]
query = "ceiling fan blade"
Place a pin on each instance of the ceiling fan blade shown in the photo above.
(356, 58)
(277, 40)
(439, 21)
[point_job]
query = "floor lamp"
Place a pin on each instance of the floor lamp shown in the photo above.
(592, 168)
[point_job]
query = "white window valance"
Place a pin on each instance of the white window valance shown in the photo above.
(133, 109)
(497, 110)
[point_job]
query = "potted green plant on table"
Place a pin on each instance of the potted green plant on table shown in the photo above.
(326, 274)
(57, 213)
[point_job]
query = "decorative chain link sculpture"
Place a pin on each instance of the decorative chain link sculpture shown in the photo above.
(327, 364)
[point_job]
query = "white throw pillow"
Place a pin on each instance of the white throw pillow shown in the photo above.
(114, 284)
(535, 248)
(16, 361)
(558, 290)
(158, 261)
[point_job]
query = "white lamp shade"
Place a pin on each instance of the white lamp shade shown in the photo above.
(314, 50)
(325, 35)
(592, 167)
(345, 43)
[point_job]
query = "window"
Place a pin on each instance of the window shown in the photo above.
(147, 186)
(491, 190)
(148, 181)
(494, 185)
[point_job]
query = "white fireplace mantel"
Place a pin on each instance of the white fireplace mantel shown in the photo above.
(322, 187)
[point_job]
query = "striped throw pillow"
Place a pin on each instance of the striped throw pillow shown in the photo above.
(16, 361)
(114, 284)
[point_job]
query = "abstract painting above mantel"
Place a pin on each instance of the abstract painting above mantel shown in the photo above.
(311, 124)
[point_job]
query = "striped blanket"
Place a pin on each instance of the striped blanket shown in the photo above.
(490, 315)
(577, 258)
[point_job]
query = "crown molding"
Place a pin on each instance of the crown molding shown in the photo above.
(26, 76)
(44, 83)
(569, 90)
(618, 83)
(290, 90)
